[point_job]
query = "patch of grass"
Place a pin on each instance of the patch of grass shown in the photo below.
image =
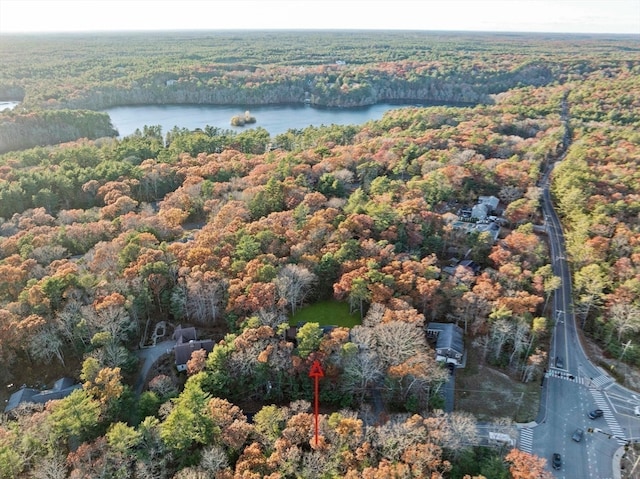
(489, 393)
(326, 313)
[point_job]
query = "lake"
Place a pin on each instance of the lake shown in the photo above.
(276, 119)
(8, 105)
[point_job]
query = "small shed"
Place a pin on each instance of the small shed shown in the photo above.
(449, 341)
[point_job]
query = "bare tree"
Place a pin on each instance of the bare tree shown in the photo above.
(50, 467)
(393, 438)
(314, 464)
(482, 343)
(625, 318)
(362, 369)
(462, 431)
(519, 339)
(46, 344)
(374, 315)
(510, 193)
(272, 318)
(203, 298)
(501, 332)
(214, 459)
(398, 341)
(110, 316)
(420, 376)
(590, 282)
(163, 385)
(363, 337)
(504, 425)
(535, 364)
(293, 284)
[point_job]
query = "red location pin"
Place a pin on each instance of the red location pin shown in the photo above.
(316, 373)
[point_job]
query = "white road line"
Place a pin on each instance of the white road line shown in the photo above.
(526, 440)
(610, 419)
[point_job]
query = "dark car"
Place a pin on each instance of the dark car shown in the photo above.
(556, 461)
(451, 367)
(577, 435)
(595, 414)
(559, 362)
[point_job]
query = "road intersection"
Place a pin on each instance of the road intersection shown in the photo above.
(572, 386)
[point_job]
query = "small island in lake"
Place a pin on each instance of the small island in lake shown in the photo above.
(241, 120)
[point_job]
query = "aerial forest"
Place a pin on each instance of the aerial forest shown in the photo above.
(104, 238)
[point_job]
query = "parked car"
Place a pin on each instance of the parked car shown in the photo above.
(577, 435)
(451, 367)
(556, 461)
(636, 410)
(595, 414)
(559, 362)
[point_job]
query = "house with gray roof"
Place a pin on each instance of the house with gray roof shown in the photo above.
(484, 207)
(186, 344)
(61, 389)
(184, 351)
(449, 342)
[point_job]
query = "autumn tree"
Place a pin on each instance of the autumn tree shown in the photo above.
(527, 466)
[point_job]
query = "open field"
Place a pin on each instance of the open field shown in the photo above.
(327, 313)
(489, 393)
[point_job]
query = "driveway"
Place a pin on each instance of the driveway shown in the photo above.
(150, 356)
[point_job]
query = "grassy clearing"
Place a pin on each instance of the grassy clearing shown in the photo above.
(489, 393)
(326, 313)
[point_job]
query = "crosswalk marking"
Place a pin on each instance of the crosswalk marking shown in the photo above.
(526, 440)
(610, 419)
(601, 381)
(554, 373)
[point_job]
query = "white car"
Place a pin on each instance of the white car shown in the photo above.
(636, 410)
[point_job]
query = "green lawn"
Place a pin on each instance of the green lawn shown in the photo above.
(326, 313)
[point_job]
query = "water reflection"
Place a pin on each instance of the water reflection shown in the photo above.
(276, 119)
(8, 105)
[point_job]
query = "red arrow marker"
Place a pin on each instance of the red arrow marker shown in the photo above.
(316, 373)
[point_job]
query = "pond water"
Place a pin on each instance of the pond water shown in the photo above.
(276, 119)
(8, 105)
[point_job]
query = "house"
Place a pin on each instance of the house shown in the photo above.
(491, 227)
(184, 335)
(484, 207)
(186, 344)
(471, 266)
(449, 342)
(61, 389)
(183, 351)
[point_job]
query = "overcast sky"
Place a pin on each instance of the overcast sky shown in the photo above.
(585, 16)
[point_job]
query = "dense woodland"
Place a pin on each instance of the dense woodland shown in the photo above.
(103, 237)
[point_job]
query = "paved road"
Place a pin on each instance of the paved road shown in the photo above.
(150, 356)
(573, 386)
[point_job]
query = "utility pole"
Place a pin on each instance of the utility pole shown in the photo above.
(626, 346)
(634, 466)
